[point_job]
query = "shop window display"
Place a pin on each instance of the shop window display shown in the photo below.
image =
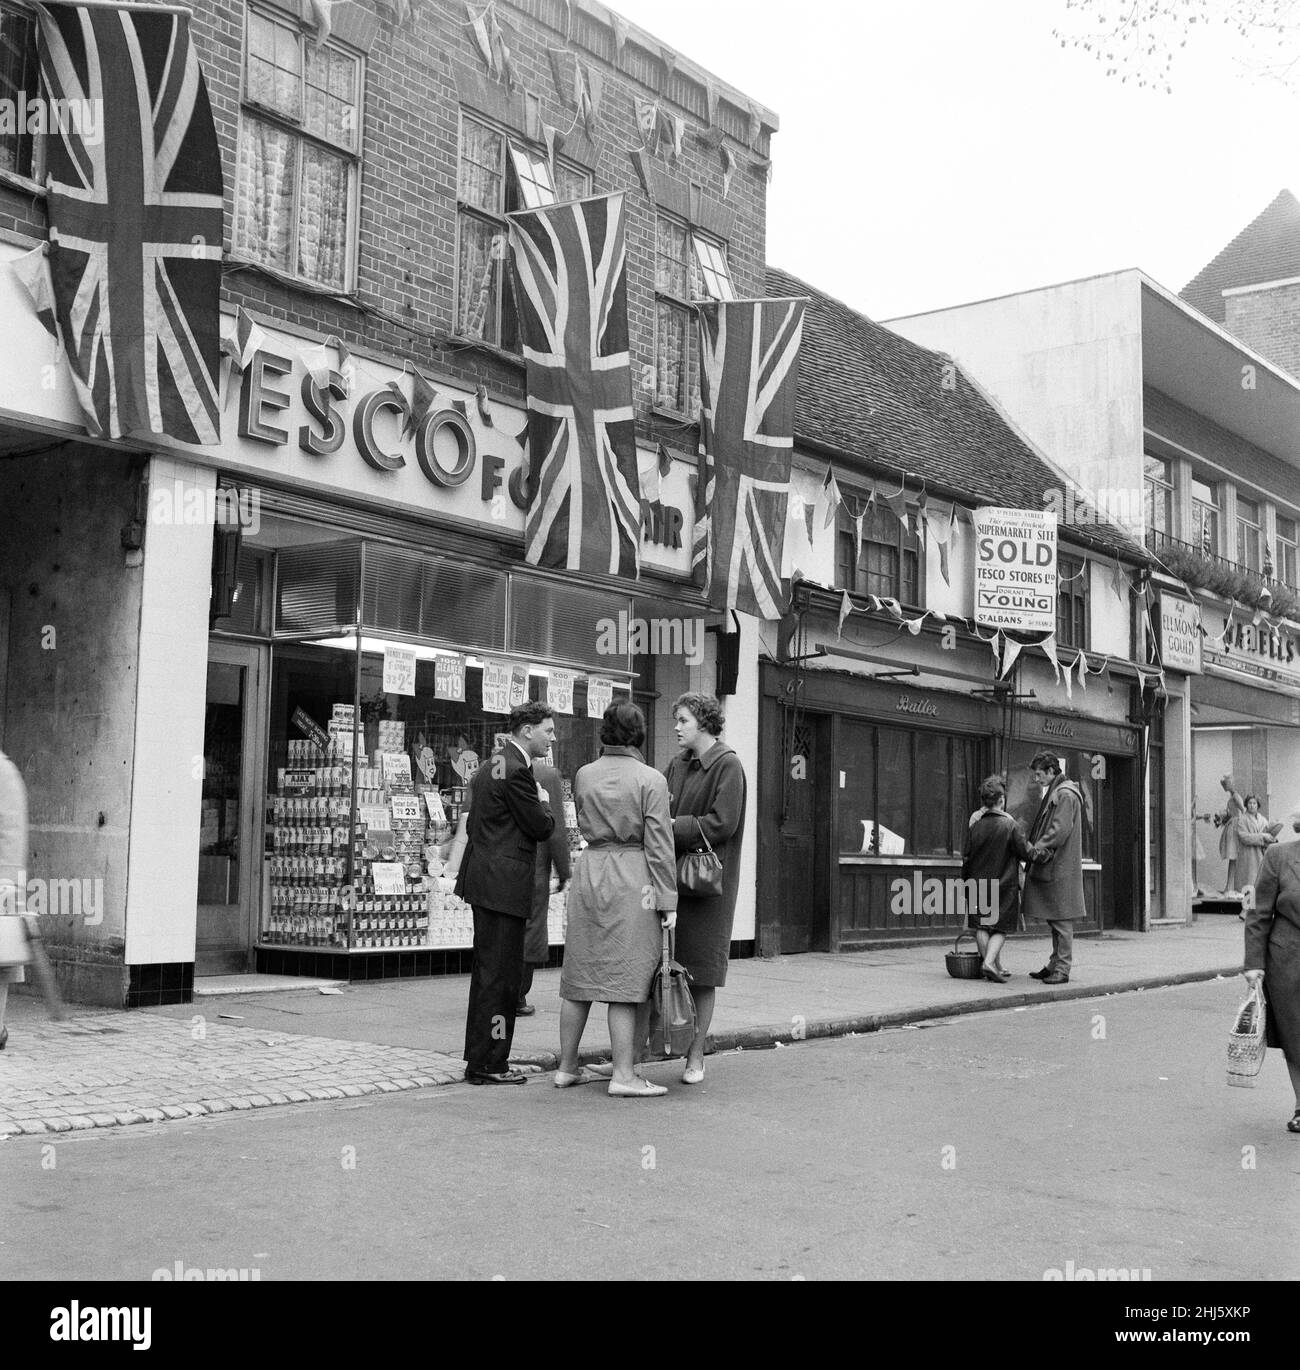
(379, 874)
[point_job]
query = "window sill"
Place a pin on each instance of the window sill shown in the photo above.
(671, 416)
(459, 340)
(14, 181)
(231, 263)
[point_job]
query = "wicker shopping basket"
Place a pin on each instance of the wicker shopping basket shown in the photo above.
(1247, 1041)
(963, 965)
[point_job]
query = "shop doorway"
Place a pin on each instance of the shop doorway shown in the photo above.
(229, 857)
(803, 835)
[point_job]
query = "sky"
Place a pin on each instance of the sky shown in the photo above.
(933, 152)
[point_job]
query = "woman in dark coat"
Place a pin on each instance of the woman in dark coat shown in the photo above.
(1273, 953)
(995, 847)
(706, 786)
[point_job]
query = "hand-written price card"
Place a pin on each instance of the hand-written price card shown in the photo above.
(559, 691)
(599, 694)
(399, 670)
(496, 686)
(389, 877)
(449, 678)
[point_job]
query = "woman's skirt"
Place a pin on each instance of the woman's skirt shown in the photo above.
(612, 943)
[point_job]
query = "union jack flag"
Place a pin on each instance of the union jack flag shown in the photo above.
(135, 220)
(571, 276)
(749, 351)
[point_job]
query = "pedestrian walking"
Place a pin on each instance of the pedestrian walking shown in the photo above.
(508, 817)
(1054, 878)
(1273, 953)
(14, 952)
(706, 785)
(624, 892)
(553, 854)
(995, 847)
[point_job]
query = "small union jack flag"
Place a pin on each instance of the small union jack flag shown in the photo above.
(571, 274)
(135, 220)
(749, 351)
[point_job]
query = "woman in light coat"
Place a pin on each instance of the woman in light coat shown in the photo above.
(1229, 843)
(623, 893)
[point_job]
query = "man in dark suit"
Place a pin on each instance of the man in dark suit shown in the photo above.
(508, 817)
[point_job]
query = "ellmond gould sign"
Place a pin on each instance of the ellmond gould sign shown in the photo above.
(1015, 569)
(1180, 634)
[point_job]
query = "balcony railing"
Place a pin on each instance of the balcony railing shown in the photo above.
(1217, 574)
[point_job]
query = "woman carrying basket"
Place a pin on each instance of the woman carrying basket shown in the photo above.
(1273, 953)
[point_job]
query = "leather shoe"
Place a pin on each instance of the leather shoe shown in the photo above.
(504, 1077)
(525, 1011)
(1056, 978)
(1040, 974)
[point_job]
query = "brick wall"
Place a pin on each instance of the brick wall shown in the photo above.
(1269, 322)
(404, 298)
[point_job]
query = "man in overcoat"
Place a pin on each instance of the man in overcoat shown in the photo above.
(1054, 878)
(508, 816)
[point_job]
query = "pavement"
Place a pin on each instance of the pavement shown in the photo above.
(248, 1042)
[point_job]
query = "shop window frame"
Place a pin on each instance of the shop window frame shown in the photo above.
(1207, 517)
(1286, 550)
(701, 272)
(1073, 601)
(904, 544)
(295, 126)
(514, 154)
(1249, 533)
(1159, 492)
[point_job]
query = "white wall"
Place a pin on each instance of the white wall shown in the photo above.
(1065, 363)
(163, 860)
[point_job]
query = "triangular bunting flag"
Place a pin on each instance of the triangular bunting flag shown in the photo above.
(33, 272)
(728, 168)
(831, 489)
(322, 13)
(554, 141)
(1049, 649)
(846, 608)
(1117, 582)
(898, 503)
(1068, 681)
(319, 363)
(647, 122)
(1010, 652)
(857, 536)
(620, 35)
(478, 27)
(484, 410)
(1082, 664)
(913, 625)
(894, 607)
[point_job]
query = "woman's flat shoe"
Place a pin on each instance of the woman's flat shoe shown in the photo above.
(1294, 1124)
(643, 1089)
(563, 1080)
(691, 1076)
(998, 978)
(602, 1072)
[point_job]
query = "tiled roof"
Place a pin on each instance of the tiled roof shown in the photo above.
(872, 395)
(1267, 249)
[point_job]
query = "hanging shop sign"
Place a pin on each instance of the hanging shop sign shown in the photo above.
(1179, 626)
(1015, 569)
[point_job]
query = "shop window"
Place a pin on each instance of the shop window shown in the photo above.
(1158, 488)
(1072, 577)
(906, 792)
(18, 77)
(1205, 517)
(1249, 533)
(498, 176)
(688, 267)
(1285, 563)
(299, 146)
(890, 563)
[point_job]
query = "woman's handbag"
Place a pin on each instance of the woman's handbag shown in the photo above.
(672, 1025)
(700, 872)
(1247, 1042)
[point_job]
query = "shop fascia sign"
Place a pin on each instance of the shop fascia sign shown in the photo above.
(354, 437)
(1236, 644)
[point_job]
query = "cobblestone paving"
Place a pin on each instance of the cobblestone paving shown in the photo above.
(113, 1069)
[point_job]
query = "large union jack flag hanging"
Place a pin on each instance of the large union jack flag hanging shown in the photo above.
(749, 351)
(571, 277)
(135, 220)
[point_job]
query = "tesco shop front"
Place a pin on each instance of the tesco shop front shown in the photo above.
(335, 618)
